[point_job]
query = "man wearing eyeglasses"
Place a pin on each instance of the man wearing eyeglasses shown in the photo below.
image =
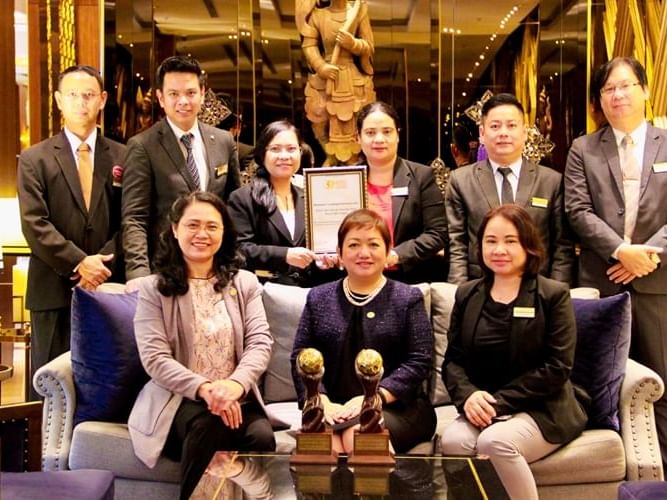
(616, 200)
(176, 156)
(70, 212)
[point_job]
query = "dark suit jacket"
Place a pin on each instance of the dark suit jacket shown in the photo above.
(472, 192)
(399, 330)
(264, 238)
(541, 356)
(420, 226)
(55, 221)
(595, 206)
(155, 175)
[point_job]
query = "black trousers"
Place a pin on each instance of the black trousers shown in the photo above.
(196, 434)
(50, 338)
(410, 423)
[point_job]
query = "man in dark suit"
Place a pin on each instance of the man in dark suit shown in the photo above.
(616, 200)
(69, 211)
(505, 178)
(175, 156)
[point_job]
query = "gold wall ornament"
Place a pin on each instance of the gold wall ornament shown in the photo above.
(474, 112)
(441, 174)
(341, 81)
(213, 111)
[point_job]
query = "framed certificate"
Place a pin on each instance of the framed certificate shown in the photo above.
(330, 194)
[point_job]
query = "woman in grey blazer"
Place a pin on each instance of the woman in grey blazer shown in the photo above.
(203, 338)
(511, 350)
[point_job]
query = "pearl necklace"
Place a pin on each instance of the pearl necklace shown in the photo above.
(353, 298)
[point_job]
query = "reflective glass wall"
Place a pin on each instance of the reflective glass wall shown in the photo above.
(434, 60)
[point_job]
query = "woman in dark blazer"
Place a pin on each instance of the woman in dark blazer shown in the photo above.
(404, 193)
(268, 214)
(366, 310)
(510, 354)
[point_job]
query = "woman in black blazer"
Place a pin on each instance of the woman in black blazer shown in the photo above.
(404, 193)
(510, 354)
(268, 214)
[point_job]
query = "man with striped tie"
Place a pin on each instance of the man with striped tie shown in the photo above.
(177, 155)
(70, 212)
(616, 200)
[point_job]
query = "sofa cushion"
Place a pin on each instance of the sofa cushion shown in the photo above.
(105, 363)
(595, 456)
(107, 445)
(442, 302)
(603, 344)
(283, 305)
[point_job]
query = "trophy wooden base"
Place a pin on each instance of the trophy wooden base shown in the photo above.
(313, 478)
(372, 480)
(314, 448)
(371, 449)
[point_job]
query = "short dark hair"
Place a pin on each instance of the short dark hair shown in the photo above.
(601, 76)
(372, 107)
(82, 68)
(179, 64)
(502, 99)
(261, 190)
(367, 219)
(462, 138)
(169, 262)
(529, 237)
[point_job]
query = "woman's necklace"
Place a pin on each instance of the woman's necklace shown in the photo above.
(360, 300)
(285, 201)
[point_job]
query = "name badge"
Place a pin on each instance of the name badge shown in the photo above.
(524, 312)
(399, 191)
(221, 170)
(660, 168)
(539, 202)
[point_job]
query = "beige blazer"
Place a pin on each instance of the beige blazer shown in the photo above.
(164, 330)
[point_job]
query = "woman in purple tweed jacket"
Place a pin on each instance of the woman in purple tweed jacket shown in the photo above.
(365, 310)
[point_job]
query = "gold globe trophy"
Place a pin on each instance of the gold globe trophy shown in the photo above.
(314, 440)
(371, 441)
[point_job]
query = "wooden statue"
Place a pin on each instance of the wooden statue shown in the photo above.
(342, 79)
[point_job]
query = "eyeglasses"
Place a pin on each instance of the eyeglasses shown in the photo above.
(290, 149)
(195, 227)
(623, 87)
(72, 95)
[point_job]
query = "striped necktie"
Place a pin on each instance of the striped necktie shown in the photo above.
(187, 139)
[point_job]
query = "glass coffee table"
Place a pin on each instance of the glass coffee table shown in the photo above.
(270, 476)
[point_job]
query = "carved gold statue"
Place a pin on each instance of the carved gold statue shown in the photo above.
(342, 79)
(369, 369)
(310, 365)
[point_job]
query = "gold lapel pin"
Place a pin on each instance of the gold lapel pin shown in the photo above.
(232, 292)
(370, 314)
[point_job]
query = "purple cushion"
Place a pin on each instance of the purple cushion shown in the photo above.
(603, 344)
(58, 485)
(108, 374)
(643, 490)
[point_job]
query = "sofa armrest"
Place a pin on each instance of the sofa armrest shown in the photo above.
(54, 381)
(641, 388)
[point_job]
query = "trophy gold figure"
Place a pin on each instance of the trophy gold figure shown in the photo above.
(371, 441)
(314, 440)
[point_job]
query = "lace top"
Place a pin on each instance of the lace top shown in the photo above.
(213, 343)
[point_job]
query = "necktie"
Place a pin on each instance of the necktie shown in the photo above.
(507, 196)
(85, 172)
(631, 182)
(186, 139)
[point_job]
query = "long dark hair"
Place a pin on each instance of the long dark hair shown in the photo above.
(529, 237)
(372, 107)
(169, 262)
(261, 190)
